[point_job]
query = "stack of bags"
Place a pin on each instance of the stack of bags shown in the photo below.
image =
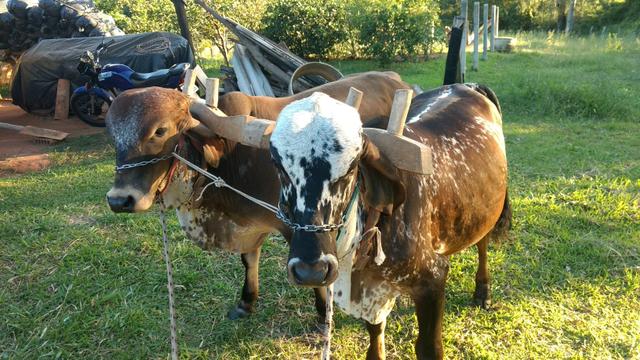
(27, 22)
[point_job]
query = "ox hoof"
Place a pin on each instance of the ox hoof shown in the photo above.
(321, 328)
(238, 313)
(482, 296)
(482, 303)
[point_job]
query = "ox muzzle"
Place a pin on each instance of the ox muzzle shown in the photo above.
(311, 262)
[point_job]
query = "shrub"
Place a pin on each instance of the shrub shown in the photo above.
(309, 28)
(396, 28)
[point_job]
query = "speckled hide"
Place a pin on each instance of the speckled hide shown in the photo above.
(422, 219)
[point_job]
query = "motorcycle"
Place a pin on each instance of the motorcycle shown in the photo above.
(91, 101)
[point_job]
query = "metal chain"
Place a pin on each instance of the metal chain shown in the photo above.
(167, 261)
(143, 163)
(309, 227)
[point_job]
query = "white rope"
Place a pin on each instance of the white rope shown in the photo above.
(167, 261)
(219, 182)
(326, 347)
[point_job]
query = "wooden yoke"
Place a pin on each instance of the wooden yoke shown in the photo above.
(406, 154)
(246, 130)
(354, 98)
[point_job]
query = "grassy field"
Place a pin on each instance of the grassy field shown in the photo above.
(77, 281)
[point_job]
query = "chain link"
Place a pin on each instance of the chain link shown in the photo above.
(143, 163)
(309, 227)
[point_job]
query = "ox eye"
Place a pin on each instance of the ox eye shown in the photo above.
(160, 132)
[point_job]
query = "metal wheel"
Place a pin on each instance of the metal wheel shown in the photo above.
(90, 108)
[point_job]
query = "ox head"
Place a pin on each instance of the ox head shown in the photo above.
(321, 153)
(144, 124)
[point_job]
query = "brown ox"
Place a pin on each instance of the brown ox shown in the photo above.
(147, 123)
(333, 174)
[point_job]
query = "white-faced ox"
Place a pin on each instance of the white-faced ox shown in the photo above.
(332, 173)
(149, 123)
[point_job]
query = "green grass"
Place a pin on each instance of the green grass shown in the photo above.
(77, 281)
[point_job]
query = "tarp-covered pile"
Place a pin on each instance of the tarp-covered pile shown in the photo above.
(26, 22)
(39, 68)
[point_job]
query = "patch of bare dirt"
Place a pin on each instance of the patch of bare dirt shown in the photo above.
(22, 153)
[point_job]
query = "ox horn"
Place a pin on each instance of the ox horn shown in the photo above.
(406, 154)
(246, 130)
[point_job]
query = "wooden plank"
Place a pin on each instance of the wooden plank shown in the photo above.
(201, 77)
(212, 89)
(241, 75)
(405, 154)
(62, 100)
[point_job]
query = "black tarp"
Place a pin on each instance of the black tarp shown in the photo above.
(33, 87)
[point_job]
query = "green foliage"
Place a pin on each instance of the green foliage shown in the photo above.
(398, 28)
(309, 28)
(551, 14)
(135, 16)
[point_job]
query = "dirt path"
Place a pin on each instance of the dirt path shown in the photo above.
(19, 153)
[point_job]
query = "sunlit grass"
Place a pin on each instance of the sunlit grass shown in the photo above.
(78, 281)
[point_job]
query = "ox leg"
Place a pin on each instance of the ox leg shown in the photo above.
(376, 341)
(482, 294)
(321, 308)
(249, 297)
(429, 300)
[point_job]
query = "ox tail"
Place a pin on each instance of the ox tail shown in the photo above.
(451, 69)
(501, 229)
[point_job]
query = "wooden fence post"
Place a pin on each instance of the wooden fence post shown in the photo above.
(62, 100)
(485, 35)
(497, 21)
(463, 46)
(476, 33)
(572, 6)
(493, 28)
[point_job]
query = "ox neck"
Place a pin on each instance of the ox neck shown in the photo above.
(179, 189)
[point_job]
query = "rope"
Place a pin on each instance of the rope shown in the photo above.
(167, 261)
(326, 346)
(219, 182)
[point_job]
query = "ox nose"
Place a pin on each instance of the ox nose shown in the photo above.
(319, 273)
(121, 203)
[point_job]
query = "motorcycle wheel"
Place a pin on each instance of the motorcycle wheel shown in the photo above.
(90, 108)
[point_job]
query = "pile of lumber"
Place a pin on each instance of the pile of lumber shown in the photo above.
(26, 22)
(259, 65)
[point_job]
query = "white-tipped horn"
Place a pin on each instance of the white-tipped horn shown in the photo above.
(246, 130)
(406, 154)
(354, 98)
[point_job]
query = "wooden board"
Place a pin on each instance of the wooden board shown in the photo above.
(62, 100)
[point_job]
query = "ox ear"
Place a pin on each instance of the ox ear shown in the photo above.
(383, 189)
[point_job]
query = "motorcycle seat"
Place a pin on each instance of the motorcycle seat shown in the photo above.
(158, 77)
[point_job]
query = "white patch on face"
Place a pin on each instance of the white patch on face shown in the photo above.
(317, 127)
(126, 132)
(445, 93)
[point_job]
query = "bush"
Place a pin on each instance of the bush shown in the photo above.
(396, 28)
(309, 28)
